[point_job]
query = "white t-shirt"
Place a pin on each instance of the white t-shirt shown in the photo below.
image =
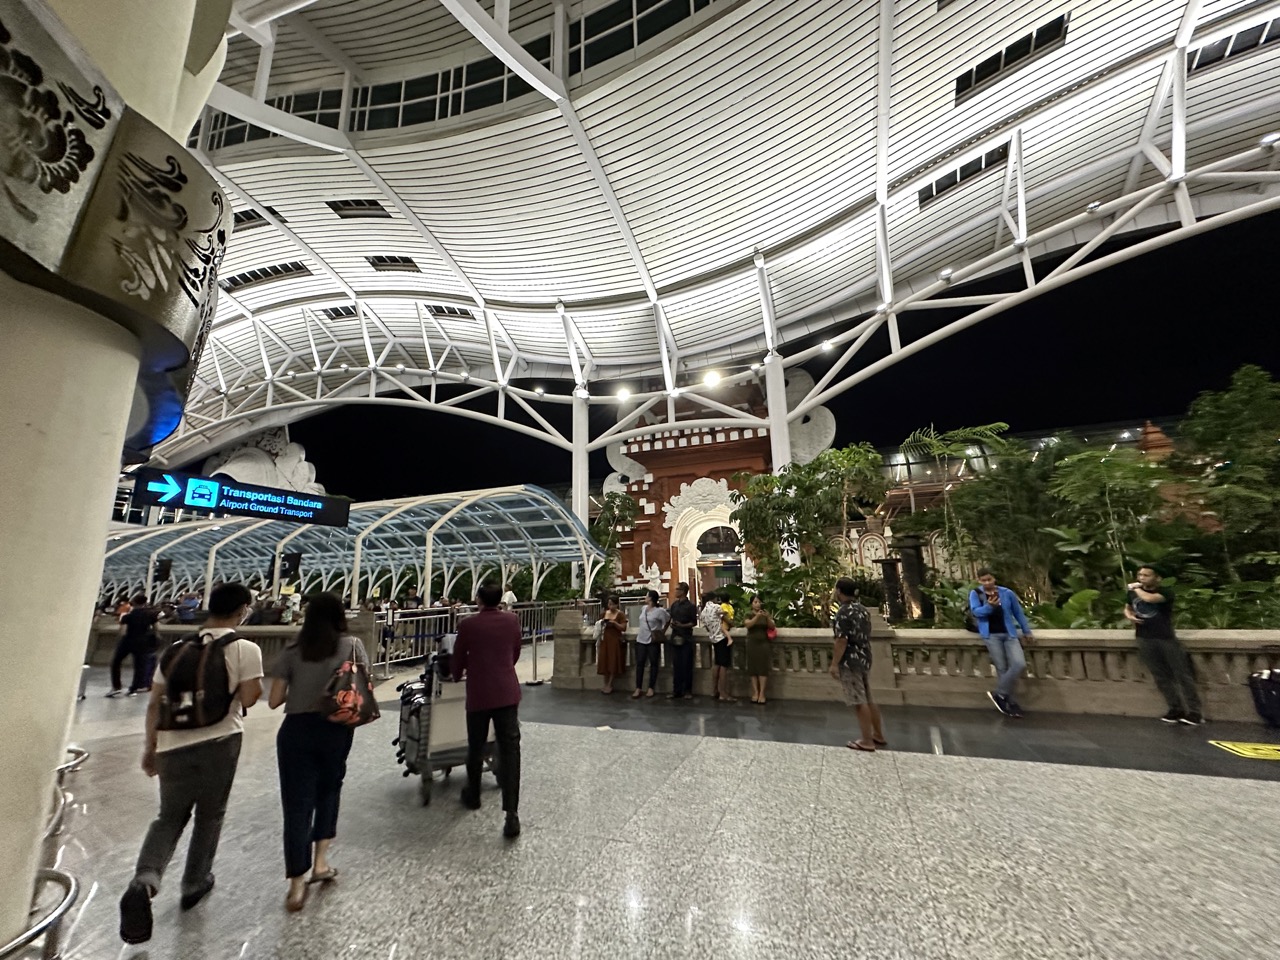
(244, 662)
(649, 620)
(509, 598)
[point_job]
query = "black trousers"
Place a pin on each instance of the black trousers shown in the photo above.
(1170, 668)
(647, 653)
(144, 662)
(681, 657)
(506, 735)
(311, 753)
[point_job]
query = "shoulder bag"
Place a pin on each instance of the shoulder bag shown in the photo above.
(348, 697)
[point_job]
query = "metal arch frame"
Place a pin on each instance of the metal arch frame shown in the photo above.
(898, 289)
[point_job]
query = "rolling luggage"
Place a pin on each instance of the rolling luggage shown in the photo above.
(415, 722)
(1265, 687)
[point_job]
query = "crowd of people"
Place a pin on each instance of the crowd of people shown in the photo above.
(204, 685)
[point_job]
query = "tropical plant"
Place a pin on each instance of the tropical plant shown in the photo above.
(617, 515)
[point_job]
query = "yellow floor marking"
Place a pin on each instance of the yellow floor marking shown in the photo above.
(1250, 751)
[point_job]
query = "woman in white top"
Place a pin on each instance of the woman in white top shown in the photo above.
(651, 631)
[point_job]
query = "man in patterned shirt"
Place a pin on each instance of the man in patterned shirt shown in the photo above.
(851, 664)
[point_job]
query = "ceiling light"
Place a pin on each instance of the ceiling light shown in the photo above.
(466, 375)
(675, 392)
(945, 274)
(624, 394)
(711, 379)
(1270, 139)
(343, 367)
(581, 392)
(755, 366)
(1093, 207)
(539, 391)
(399, 368)
(826, 344)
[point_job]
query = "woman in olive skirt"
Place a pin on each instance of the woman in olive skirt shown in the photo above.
(759, 656)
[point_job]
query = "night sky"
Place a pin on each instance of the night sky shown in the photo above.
(1135, 341)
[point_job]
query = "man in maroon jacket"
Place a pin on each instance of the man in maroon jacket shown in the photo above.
(486, 650)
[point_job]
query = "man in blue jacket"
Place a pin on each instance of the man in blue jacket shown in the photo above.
(1000, 616)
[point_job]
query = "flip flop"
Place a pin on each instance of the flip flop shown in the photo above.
(859, 745)
(325, 877)
(880, 743)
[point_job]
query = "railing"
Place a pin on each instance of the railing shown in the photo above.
(50, 925)
(1070, 671)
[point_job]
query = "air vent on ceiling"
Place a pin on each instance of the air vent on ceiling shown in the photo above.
(443, 311)
(264, 275)
(1013, 57)
(249, 218)
(966, 171)
(345, 312)
(357, 208)
(1228, 48)
(394, 264)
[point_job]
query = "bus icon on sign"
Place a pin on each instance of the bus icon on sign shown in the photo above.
(202, 494)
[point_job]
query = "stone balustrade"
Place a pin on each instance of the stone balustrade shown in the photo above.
(1068, 671)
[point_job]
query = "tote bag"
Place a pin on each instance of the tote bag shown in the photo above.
(348, 697)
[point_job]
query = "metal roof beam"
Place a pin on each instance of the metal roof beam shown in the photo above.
(484, 28)
(223, 98)
(324, 46)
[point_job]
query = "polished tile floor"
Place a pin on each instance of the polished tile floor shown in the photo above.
(645, 844)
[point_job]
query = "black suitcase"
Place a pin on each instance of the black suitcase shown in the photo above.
(415, 723)
(1265, 686)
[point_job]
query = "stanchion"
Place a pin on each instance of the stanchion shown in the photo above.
(535, 682)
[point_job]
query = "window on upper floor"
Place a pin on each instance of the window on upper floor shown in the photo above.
(990, 160)
(1228, 48)
(1013, 57)
(391, 264)
(259, 275)
(358, 208)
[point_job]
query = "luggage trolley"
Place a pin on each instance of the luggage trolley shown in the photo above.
(433, 722)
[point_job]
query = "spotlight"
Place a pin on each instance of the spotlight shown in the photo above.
(1270, 140)
(343, 367)
(945, 274)
(675, 392)
(755, 366)
(465, 375)
(711, 379)
(539, 391)
(624, 394)
(399, 368)
(1093, 207)
(826, 345)
(883, 308)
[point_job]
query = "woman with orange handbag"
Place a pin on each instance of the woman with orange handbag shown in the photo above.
(315, 738)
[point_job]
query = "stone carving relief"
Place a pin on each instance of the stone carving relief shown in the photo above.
(704, 495)
(816, 430)
(268, 459)
(626, 470)
(873, 547)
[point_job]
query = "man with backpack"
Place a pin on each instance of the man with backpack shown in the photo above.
(204, 684)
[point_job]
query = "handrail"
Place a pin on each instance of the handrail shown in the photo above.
(50, 924)
(78, 756)
(59, 813)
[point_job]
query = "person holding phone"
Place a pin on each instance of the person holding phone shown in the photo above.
(1000, 616)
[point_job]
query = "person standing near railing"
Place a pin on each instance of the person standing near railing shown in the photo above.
(650, 634)
(684, 617)
(851, 664)
(759, 653)
(999, 614)
(610, 659)
(715, 622)
(509, 598)
(1150, 610)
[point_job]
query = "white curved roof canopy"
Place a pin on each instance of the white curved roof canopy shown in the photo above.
(403, 541)
(635, 220)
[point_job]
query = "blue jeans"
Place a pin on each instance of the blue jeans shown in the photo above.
(1006, 654)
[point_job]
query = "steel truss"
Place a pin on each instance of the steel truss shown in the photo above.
(233, 395)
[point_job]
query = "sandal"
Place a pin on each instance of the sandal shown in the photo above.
(293, 905)
(325, 877)
(859, 745)
(636, 695)
(649, 693)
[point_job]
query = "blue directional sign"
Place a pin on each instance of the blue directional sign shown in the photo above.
(227, 497)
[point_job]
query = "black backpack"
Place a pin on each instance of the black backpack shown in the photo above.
(196, 683)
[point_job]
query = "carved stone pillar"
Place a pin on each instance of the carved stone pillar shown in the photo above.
(110, 239)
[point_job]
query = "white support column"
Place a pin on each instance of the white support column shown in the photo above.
(580, 473)
(560, 41)
(1178, 149)
(262, 79)
(66, 382)
(502, 14)
(775, 383)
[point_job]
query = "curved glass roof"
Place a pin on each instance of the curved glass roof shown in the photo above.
(502, 527)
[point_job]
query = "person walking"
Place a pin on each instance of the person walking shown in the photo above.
(717, 626)
(759, 648)
(610, 659)
(851, 665)
(194, 731)
(311, 750)
(1000, 616)
(684, 617)
(137, 640)
(486, 652)
(1150, 610)
(651, 632)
